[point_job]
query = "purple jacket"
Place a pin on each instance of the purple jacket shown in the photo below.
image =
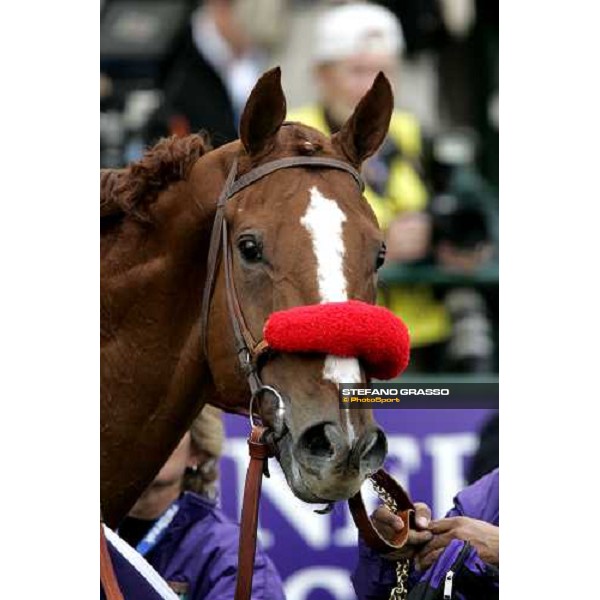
(200, 550)
(197, 555)
(374, 577)
(136, 578)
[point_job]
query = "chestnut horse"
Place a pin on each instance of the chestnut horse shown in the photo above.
(299, 236)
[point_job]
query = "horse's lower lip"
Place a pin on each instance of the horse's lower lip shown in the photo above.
(310, 498)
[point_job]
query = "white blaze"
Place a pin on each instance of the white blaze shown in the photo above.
(323, 221)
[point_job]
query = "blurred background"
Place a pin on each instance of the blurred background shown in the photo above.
(174, 67)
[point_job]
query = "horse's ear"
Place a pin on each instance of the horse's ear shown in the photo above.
(365, 130)
(264, 113)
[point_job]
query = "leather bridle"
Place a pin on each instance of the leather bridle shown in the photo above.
(249, 352)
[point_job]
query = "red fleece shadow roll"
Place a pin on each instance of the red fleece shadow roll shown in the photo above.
(373, 334)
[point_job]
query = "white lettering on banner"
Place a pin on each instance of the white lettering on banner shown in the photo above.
(302, 583)
(448, 452)
(314, 529)
(405, 453)
(405, 459)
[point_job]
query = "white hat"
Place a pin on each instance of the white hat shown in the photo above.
(355, 28)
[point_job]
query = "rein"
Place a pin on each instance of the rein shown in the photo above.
(249, 351)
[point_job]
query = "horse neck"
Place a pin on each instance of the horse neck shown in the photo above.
(154, 376)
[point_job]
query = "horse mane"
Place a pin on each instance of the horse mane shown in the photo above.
(132, 190)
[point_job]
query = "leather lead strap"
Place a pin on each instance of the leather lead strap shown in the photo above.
(405, 510)
(108, 579)
(259, 454)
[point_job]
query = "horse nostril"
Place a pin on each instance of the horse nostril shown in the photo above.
(316, 441)
(373, 451)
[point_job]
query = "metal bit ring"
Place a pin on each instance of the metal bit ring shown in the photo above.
(260, 390)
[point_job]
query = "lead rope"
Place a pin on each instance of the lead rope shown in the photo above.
(260, 452)
(400, 591)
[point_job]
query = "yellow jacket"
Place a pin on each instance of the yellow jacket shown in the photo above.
(426, 317)
(404, 191)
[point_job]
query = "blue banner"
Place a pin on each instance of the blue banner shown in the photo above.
(429, 453)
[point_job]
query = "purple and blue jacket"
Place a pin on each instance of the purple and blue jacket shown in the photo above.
(471, 578)
(197, 557)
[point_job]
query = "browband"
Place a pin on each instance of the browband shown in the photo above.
(294, 161)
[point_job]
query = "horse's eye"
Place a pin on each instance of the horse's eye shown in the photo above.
(380, 256)
(250, 248)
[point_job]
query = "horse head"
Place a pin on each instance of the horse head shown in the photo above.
(304, 249)
(303, 237)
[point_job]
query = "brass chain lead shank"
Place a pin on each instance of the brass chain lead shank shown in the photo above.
(400, 591)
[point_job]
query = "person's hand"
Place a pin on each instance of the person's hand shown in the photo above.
(483, 536)
(408, 237)
(389, 524)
